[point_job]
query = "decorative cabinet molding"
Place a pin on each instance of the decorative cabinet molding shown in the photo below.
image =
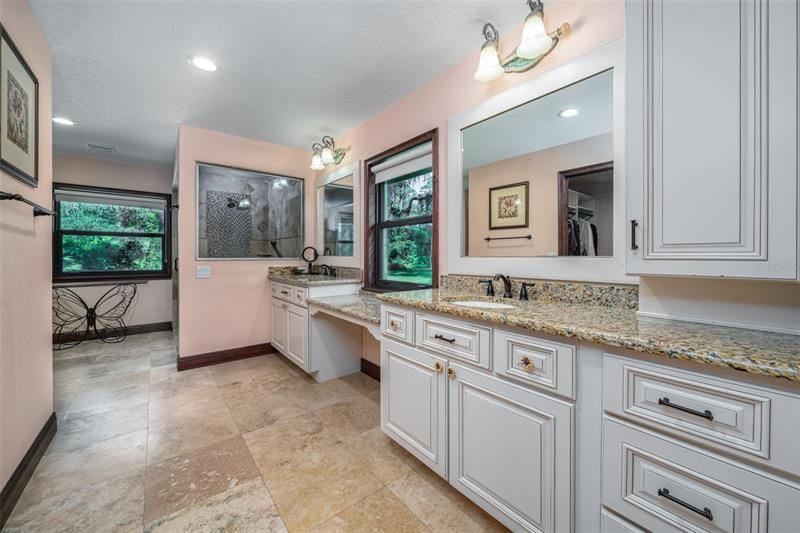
(711, 143)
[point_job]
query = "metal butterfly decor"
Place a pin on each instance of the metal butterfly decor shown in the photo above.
(74, 321)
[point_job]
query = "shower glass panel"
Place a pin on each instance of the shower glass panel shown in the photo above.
(242, 214)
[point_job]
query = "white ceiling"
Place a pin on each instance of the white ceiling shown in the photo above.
(536, 125)
(289, 71)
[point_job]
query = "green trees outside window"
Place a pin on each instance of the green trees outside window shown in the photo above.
(406, 229)
(117, 234)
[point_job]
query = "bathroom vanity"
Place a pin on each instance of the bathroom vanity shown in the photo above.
(560, 416)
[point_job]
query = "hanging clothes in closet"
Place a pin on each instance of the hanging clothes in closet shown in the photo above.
(582, 237)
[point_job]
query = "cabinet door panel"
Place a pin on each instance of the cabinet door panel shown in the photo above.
(510, 450)
(711, 177)
(413, 402)
(279, 326)
(297, 335)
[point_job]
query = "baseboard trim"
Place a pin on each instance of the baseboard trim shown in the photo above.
(223, 356)
(371, 369)
(136, 329)
(22, 474)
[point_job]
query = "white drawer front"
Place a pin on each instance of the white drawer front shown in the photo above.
(461, 340)
(300, 294)
(731, 417)
(535, 361)
(664, 486)
(283, 292)
(611, 523)
(397, 324)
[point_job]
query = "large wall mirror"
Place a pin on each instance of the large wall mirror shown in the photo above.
(337, 217)
(538, 170)
(538, 180)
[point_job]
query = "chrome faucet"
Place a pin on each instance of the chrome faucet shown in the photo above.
(506, 284)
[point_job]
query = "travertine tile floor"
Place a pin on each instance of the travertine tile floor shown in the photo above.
(252, 445)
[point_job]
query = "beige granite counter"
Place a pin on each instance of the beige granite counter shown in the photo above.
(756, 352)
(311, 280)
(361, 306)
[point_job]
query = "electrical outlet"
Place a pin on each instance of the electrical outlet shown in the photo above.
(203, 271)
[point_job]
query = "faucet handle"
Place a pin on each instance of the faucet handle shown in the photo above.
(523, 291)
(489, 286)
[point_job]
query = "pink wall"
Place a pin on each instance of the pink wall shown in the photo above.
(154, 299)
(594, 23)
(26, 365)
(232, 308)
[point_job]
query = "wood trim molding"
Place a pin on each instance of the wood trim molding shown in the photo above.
(563, 198)
(223, 356)
(371, 369)
(22, 474)
(136, 329)
(370, 210)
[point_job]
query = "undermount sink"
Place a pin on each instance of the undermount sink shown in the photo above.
(483, 305)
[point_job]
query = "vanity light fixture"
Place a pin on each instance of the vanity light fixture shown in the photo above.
(568, 112)
(64, 121)
(326, 153)
(203, 63)
(534, 45)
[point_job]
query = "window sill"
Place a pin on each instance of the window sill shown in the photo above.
(109, 279)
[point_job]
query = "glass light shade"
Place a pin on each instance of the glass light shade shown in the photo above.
(534, 41)
(327, 156)
(316, 162)
(489, 67)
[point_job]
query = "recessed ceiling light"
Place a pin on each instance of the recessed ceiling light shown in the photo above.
(203, 63)
(568, 112)
(64, 121)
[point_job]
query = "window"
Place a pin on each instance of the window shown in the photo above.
(110, 234)
(401, 217)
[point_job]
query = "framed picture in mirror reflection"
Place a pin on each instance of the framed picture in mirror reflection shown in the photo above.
(508, 206)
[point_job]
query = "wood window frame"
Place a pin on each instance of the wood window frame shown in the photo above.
(117, 275)
(372, 205)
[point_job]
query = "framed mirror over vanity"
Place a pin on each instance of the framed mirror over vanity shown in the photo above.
(338, 216)
(541, 176)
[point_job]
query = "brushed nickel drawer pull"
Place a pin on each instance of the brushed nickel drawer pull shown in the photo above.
(704, 512)
(443, 338)
(702, 414)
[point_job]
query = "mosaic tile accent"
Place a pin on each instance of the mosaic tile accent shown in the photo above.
(623, 296)
(756, 352)
(229, 228)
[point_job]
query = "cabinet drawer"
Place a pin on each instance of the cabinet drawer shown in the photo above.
(283, 292)
(611, 523)
(397, 324)
(535, 361)
(732, 417)
(664, 486)
(300, 295)
(461, 340)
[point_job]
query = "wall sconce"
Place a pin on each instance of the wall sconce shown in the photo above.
(534, 45)
(325, 154)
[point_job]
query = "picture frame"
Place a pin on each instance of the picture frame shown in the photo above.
(508, 206)
(19, 114)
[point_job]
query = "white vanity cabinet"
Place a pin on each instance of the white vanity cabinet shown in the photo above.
(290, 319)
(711, 138)
(505, 443)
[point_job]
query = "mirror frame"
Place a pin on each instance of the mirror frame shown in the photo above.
(352, 169)
(592, 269)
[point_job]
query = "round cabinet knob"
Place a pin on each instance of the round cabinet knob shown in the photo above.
(393, 325)
(437, 367)
(451, 373)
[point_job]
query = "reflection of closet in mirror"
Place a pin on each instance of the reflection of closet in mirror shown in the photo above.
(338, 217)
(586, 207)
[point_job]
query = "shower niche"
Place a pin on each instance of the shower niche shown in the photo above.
(243, 214)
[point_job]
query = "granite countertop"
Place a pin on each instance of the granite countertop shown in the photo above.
(311, 280)
(756, 352)
(362, 306)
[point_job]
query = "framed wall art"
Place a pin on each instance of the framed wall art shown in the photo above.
(19, 114)
(508, 206)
